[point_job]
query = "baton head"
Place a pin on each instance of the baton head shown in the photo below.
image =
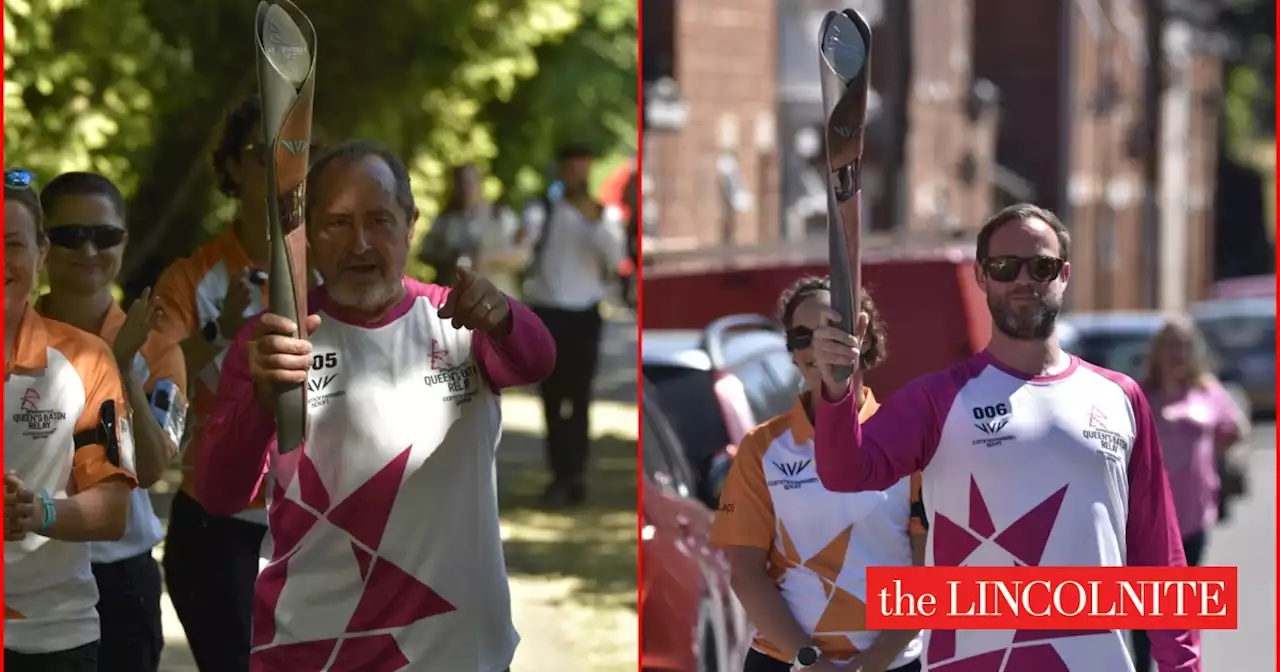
(284, 44)
(844, 49)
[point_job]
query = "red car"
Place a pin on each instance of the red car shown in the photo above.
(691, 620)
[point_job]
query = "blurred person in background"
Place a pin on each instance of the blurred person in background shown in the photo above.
(474, 233)
(1078, 479)
(211, 561)
(1197, 420)
(68, 460)
(576, 244)
(799, 569)
(85, 223)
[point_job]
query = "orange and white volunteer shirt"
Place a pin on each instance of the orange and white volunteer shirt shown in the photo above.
(820, 543)
(66, 430)
(158, 359)
(190, 292)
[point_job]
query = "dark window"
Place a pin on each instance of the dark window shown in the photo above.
(659, 50)
(689, 403)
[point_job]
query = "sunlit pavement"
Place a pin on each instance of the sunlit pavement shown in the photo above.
(1248, 541)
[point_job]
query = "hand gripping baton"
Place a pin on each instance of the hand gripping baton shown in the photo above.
(286, 48)
(844, 49)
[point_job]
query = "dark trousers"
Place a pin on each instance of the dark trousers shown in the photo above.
(210, 567)
(129, 612)
(758, 662)
(1193, 546)
(80, 659)
(566, 393)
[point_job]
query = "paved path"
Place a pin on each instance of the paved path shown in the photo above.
(1248, 541)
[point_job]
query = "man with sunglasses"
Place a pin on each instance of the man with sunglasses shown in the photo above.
(85, 223)
(68, 461)
(1031, 457)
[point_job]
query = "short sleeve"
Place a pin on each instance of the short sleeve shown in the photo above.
(746, 517)
(176, 293)
(104, 443)
(919, 522)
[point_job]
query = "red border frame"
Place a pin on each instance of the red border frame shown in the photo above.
(4, 352)
(639, 280)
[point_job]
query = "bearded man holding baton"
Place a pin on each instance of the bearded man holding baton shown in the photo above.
(386, 548)
(1031, 456)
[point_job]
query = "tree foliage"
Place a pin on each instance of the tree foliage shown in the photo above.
(135, 89)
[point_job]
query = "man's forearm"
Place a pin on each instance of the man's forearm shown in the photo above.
(151, 446)
(97, 514)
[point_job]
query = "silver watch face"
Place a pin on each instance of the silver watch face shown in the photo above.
(807, 656)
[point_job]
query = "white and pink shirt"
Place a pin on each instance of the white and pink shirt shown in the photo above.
(1061, 470)
(386, 552)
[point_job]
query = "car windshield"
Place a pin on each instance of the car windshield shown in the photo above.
(689, 399)
(1123, 352)
(1240, 337)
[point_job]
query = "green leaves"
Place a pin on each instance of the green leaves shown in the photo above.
(135, 89)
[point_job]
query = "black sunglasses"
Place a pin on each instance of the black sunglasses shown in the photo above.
(74, 236)
(1006, 268)
(19, 178)
(799, 338)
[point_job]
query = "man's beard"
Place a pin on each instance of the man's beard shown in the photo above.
(364, 298)
(1034, 324)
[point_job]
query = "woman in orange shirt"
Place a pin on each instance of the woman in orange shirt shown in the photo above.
(798, 553)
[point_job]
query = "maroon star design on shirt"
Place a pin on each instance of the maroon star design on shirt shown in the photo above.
(392, 597)
(1025, 539)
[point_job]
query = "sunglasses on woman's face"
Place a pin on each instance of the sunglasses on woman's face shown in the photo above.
(19, 178)
(74, 236)
(1007, 268)
(799, 338)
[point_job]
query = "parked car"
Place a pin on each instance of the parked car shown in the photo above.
(1242, 332)
(693, 623)
(1120, 341)
(716, 384)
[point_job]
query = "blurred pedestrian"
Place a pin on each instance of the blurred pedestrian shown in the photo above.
(798, 553)
(577, 245)
(85, 222)
(474, 233)
(212, 561)
(1197, 421)
(1062, 455)
(67, 460)
(387, 552)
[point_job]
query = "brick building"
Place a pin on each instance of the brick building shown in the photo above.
(1105, 111)
(1108, 110)
(711, 76)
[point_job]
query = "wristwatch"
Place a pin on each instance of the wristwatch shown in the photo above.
(806, 657)
(212, 333)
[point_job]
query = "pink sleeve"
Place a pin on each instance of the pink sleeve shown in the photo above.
(237, 439)
(1152, 537)
(1229, 415)
(525, 356)
(897, 441)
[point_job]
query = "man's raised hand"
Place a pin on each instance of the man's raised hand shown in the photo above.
(476, 304)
